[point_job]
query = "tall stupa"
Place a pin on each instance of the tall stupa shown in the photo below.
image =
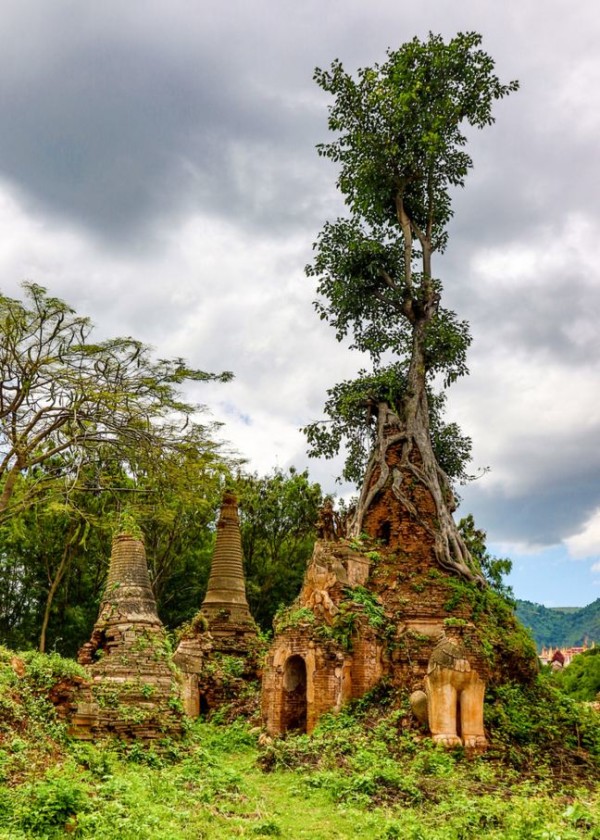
(225, 605)
(224, 628)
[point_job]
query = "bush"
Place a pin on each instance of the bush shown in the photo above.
(48, 806)
(537, 726)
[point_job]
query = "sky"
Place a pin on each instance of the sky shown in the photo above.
(158, 172)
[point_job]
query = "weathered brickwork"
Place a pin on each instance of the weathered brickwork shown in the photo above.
(133, 691)
(423, 612)
(218, 651)
(336, 669)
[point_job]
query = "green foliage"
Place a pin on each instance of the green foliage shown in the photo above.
(506, 645)
(197, 624)
(369, 754)
(65, 398)
(225, 670)
(364, 772)
(128, 524)
(359, 606)
(455, 622)
(559, 627)
(536, 726)
(400, 140)
(372, 609)
(50, 806)
(347, 410)
(292, 617)
(278, 513)
(403, 119)
(581, 677)
(45, 670)
(493, 568)
(96, 438)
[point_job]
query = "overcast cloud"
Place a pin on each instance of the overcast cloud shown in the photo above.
(157, 171)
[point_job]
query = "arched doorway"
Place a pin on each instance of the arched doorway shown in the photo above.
(294, 705)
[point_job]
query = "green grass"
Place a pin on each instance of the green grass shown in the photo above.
(213, 787)
(364, 773)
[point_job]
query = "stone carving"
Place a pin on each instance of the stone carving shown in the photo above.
(455, 694)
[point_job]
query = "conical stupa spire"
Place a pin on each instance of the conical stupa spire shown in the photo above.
(226, 593)
(128, 593)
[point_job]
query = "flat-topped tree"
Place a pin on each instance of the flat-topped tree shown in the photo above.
(400, 146)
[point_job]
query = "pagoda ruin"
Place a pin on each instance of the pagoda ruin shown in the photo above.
(223, 632)
(380, 604)
(133, 690)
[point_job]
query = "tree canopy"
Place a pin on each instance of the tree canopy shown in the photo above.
(65, 399)
(89, 430)
(400, 147)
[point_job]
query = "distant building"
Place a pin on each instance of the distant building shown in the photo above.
(563, 655)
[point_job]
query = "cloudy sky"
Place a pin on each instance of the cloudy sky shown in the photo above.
(158, 172)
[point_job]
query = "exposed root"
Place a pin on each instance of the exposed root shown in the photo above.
(450, 550)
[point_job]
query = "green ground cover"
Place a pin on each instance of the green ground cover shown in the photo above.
(214, 787)
(364, 773)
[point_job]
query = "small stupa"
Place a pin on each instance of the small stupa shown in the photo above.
(224, 627)
(133, 690)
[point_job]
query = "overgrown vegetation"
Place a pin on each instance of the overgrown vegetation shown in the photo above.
(367, 772)
(581, 677)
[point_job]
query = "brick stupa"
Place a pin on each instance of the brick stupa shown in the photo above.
(224, 628)
(133, 690)
(225, 606)
(380, 606)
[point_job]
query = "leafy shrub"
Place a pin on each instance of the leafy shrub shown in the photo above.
(292, 617)
(47, 806)
(537, 725)
(45, 670)
(581, 677)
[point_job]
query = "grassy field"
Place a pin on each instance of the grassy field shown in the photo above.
(365, 773)
(214, 787)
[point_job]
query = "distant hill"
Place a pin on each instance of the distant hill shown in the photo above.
(561, 626)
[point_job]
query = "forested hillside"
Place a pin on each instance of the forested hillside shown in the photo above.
(561, 627)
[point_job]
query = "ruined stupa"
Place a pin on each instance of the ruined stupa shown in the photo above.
(376, 602)
(224, 633)
(133, 691)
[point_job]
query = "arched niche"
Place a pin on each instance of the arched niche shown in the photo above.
(294, 699)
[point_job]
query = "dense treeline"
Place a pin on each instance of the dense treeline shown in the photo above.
(93, 435)
(54, 558)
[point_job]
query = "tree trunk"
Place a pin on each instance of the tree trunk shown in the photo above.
(55, 583)
(403, 464)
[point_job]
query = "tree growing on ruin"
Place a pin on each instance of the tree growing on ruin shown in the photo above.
(400, 145)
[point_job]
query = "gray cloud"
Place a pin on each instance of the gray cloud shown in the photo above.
(162, 158)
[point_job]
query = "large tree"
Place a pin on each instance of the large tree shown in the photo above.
(64, 399)
(400, 147)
